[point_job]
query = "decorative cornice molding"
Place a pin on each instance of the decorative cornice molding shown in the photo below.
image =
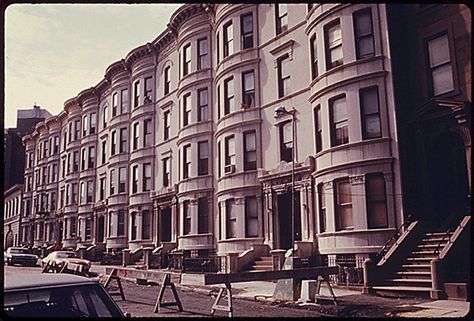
(355, 180)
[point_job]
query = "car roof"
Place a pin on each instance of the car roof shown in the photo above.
(34, 280)
(17, 248)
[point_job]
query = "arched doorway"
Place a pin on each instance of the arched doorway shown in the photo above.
(448, 178)
(9, 239)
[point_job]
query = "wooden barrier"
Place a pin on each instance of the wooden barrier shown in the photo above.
(113, 276)
(166, 282)
(319, 273)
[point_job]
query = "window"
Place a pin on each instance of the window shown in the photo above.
(246, 27)
(231, 219)
(167, 80)
(322, 208)
(219, 161)
(203, 153)
(73, 227)
(104, 151)
(82, 198)
(318, 131)
(135, 179)
(343, 200)
(113, 143)
(186, 59)
(251, 217)
(369, 103)
(123, 140)
(229, 152)
(54, 171)
(113, 178)
(110, 223)
(364, 35)
(56, 145)
(283, 75)
(77, 132)
(248, 89)
(228, 95)
(133, 225)
(187, 218)
(217, 46)
(91, 157)
(218, 102)
(166, 172)
(121, 223)
(84, 126)
(90, 191)
(146, 224)
(64, 144)
(83, 159)
(74, 193)
(186, 109)
(202, 104)
(376, 201)
(332, 33)
(122, 179)
(136, 93)
(203, 215)
(102, 188)
(75, 159)
(166, 125)
(114, 104)
(146, 177)
(440, 67)
(339, 123)
(250, 150)
(228, 39)
(135, 136)
(147, 133)
(104, 119)
(148, 90)
(124, 101)
(186, 161)
(88, 230)
(314, 57)
(93, 124)
(286, 141)
(281, 16)
(202, 53)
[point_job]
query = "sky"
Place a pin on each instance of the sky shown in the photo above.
(54, 51)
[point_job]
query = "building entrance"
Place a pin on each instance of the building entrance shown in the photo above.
(100, 229)
(449, 186)
(285, 222)
(165, 233)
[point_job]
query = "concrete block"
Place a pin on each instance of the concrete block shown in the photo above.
(308, 290)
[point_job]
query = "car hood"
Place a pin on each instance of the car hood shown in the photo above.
(75, 261)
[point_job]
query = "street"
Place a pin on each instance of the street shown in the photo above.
(140, 302)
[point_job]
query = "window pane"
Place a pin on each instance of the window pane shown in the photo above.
(370, 101)
(344, 193)
(249, 83)
(203, 47)
(203, 150)
(345, 217)
(250, 142)
(339, 111)
(372, 125)
(442, 79)
(287, 135)
(247, 23)
(363, 24)
(366, 46)
(282, 9)
(334, 35)
(203, 97)
(336, 54)
(439, 51)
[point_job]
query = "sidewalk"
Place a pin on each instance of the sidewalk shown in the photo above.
(263, 291)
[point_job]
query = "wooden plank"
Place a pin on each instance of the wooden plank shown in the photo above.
(302, 274)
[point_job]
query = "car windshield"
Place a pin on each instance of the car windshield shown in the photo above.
(63, 255)
(66, 301)
(19, 251)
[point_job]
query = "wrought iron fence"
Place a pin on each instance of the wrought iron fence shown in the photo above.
(350, 269)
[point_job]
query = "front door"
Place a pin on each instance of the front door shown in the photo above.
(285, 221)
(165, 233)
(448, 178)
(100, 229)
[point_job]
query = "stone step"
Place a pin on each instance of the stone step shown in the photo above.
(419, 259)
(402, 291)
(264, 259)
(416, 267)
(414, 274)
(261, 268)
(437, 233)
(408, 281)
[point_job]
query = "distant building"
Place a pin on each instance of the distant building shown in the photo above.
(14, 150)
(11, 215)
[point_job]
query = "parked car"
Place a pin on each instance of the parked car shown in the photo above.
(20, 255)
(59, 258)
(56, 295)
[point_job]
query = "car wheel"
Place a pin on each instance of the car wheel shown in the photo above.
(9, 262)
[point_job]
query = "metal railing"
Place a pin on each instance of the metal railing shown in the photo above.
(381, 254)
(350, 270)
(207, 264)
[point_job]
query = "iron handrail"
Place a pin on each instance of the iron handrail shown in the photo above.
(447, 235)
(381, 254)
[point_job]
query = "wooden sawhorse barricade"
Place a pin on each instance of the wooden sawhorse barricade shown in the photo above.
(321, 274)
(166, 282)
(113, 276)
(72, 268)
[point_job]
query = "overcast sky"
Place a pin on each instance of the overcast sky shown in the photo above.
(53, 52)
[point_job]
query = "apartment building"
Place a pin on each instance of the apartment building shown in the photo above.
(11, 216)
(197, 140)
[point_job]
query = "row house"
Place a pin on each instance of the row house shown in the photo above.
(180, 147)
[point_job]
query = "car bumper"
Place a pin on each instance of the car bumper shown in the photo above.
(24, 261)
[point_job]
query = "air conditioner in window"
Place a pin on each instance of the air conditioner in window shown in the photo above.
(147, 100)
(228, 169)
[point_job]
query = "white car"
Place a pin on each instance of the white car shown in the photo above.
(59, 258)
